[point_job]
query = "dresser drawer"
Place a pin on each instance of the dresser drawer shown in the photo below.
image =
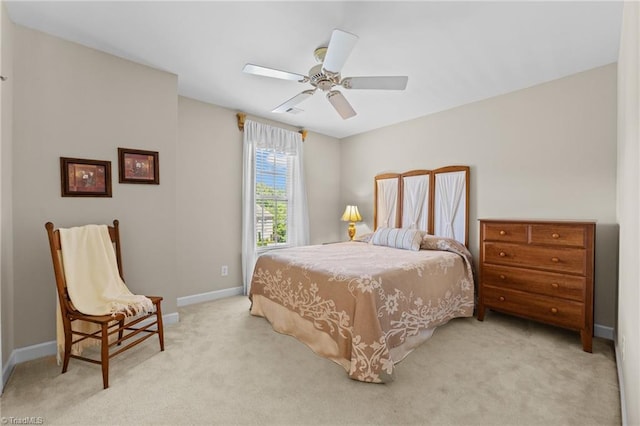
(564, 235)
(547, 283)
(559, 259)
(513, 232)
(564, 313)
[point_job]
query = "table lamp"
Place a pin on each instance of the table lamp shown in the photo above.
(351, 215)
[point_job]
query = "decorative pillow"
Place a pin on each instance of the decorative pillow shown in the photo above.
(402, 238)
(431, 242)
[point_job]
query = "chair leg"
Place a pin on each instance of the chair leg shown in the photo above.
(68, 339)
(160, 327)
(105, 355)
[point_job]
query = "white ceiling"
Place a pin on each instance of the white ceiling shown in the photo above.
(453, 52)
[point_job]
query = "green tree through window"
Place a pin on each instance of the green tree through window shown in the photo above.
(272, 200)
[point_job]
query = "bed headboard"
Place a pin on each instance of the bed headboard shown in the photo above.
(436, 201)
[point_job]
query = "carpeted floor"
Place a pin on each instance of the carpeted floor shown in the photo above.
(223, 366)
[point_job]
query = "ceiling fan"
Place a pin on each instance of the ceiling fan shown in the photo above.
(326, 76)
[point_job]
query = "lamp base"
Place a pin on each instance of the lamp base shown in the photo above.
(352, 230)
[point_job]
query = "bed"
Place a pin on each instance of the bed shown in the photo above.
(367, 304)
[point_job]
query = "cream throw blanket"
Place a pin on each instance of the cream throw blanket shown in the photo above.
(93, 281)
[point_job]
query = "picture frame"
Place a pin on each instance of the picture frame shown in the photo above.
(81, 177)
(138, 166)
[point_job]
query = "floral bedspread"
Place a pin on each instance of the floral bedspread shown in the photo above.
(361, 304)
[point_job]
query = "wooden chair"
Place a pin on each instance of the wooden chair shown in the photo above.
(138, 328)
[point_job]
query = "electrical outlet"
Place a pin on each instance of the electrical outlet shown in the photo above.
(224, 270)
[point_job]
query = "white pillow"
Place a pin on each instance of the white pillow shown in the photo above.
(402, 238)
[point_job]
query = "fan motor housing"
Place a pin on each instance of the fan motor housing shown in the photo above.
(322, 81)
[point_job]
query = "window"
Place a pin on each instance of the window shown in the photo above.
(274, 201)
(272, 198)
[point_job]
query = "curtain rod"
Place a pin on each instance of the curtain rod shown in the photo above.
(242, 116)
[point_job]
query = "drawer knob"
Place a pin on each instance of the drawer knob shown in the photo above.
(502, 277)
(554, 235)
(554, 310)
(502, 254)
(555, 259)
(503, 233)
(501, 298)
(554, 285)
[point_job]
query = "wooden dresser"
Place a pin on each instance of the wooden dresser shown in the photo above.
(541, 270)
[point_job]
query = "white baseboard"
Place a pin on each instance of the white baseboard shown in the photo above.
(40, 350)
(209, 296)
(26, 354)
(170, 319)
(603, 331)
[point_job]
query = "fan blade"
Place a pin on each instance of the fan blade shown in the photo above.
(272, 72)
(381, 83)
(288, 105)
(340, 46)
(341, 104)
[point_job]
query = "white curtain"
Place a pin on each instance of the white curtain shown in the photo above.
(449, 215)
(415, 199)
(262, 136)
(387, 203)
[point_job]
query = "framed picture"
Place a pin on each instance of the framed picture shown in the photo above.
(85, 178)
(137, 166)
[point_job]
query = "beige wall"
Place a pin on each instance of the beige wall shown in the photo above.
(73, 101)
(209, 195)
(322, 159)
(545, 152)
(628, 332)
(208, 183)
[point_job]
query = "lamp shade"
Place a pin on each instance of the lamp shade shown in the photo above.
(351, 214)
